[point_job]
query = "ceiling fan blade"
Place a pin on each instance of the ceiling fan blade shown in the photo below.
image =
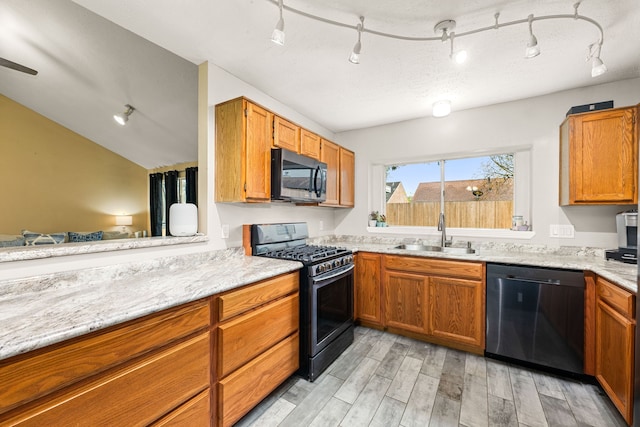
(17, 67)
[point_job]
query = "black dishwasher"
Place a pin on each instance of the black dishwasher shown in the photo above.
(536, 315)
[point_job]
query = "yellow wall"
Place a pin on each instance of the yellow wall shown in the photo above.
(54, 180)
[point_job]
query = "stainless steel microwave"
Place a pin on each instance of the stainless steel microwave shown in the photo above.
(297, 178)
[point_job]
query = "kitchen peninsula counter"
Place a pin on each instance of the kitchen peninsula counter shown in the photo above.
(47, 309)
(571, 258)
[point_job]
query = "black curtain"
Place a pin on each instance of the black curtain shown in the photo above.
(171, 194)
(192, 185)
(155, 198)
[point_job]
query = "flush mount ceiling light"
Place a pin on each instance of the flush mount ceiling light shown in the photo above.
(123, 118)
(278, 32)
(441, 108)
(444, 31)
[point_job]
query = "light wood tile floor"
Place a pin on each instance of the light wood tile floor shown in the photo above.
(388, 380)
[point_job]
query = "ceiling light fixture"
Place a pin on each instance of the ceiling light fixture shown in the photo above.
(597, 66)
(533, 49)
(123, 118)
(354, 58)
(460, 56)
(278, 32)
(441, 108)
(444, 30)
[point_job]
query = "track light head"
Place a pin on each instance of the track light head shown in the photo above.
(354, 58)
(460, 56)
(533, 49)
(597, 66)
(123, 118)
(278, 32)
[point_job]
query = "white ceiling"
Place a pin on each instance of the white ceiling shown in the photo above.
(395, 80)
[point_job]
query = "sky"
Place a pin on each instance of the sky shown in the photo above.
(455, 170)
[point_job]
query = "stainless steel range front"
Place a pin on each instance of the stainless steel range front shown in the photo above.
(326, 292)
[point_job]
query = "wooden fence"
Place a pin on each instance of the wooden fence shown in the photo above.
(472, 214)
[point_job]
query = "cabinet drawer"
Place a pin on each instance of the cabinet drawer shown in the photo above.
(27, 377)
(245, 299)
(195, 412)
(243, 389)
(245, 337)
(621, 300)
(431, 266)
(136, 394)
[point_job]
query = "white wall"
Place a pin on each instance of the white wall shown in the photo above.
(530, 122)
(222, 87)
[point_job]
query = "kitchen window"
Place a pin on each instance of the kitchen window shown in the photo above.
(479, 192)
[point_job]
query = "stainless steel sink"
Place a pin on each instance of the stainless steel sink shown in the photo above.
(426, 248)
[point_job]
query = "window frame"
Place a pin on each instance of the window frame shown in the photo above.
(522, 196)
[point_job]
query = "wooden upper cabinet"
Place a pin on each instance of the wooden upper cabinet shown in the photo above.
(347, 177)
(598, 157)
(243, 152)
(330, 154)
(286, 134)
(309, 144)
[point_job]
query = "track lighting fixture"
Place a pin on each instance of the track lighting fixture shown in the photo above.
(123, 118)
(354, 58)
(459, 56)
(597, 66)
(278, 32)
(533, 49)
(445, 31)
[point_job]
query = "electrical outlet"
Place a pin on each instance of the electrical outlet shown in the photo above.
(321, 225)
(225, 231)
(562, 231)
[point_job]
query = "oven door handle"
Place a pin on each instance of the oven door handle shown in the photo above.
(322, 278)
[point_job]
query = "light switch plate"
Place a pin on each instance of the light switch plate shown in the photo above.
(225, 231)
(562, 231)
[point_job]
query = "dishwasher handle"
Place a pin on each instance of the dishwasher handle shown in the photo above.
(555, 282)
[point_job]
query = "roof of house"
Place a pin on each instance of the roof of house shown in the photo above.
(396, 193)
(461, 191)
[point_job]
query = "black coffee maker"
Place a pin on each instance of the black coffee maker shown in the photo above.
(627, 227)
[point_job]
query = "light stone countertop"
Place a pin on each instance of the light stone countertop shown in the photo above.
(43, 310)
(571, 258)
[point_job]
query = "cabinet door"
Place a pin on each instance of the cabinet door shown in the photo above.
(257, 164)
(456, 311)
(406, 301)
(286, 134)
(368, 291)
(330, 154)
(309, 144)
(615, 357)
(347, 177)
(603, 157)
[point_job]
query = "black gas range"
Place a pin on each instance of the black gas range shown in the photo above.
(326, 291)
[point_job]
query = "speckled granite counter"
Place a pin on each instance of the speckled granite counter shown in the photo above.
(43, 310)
(573, 258)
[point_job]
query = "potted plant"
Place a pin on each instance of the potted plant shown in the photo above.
(382, 221)
(373, 218)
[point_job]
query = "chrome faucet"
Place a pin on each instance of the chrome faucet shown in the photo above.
(441, 227)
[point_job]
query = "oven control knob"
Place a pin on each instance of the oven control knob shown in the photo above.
(337, 263)
(349, 259)
(327, 266)
(320, 268)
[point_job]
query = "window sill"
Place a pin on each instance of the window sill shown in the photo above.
(453, 232)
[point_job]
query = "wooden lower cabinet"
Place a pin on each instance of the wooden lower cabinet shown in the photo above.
(456, 311)
(440, 301)
(406, 301)
(195, 412)
(131, 379)
(257, 344)
(614, 344)
(367, 289)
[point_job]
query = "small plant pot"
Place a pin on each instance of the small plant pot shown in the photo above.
(372, 223)
(381, 224)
